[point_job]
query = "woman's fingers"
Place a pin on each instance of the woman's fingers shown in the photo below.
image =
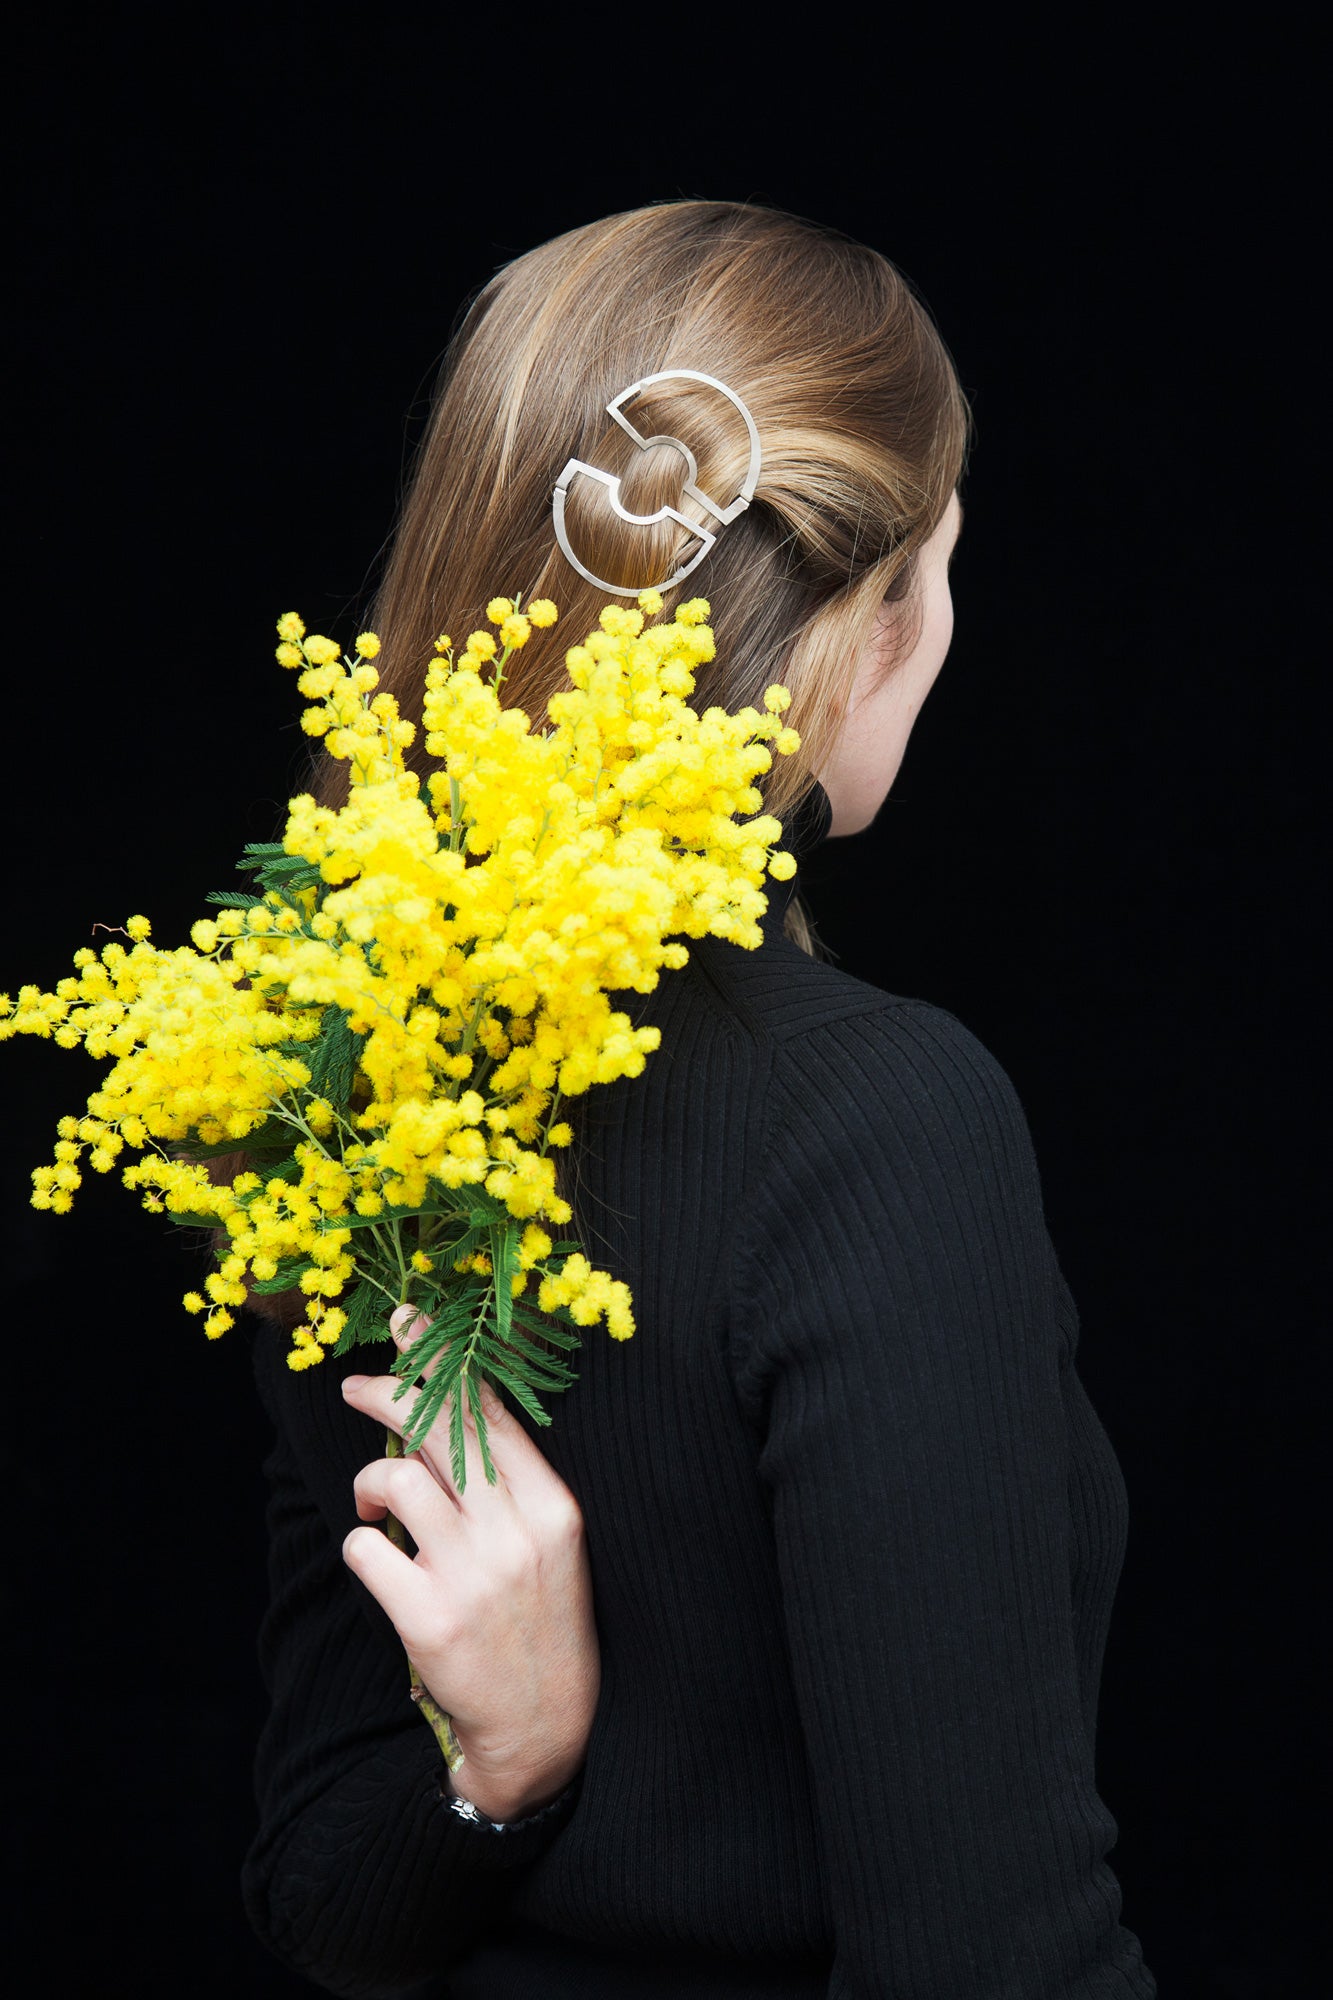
(407, 1326)
(387, 1398)
(389, 1575)
(522, 1468)
(522, 1465)
(378, 1396)
(408, 1490)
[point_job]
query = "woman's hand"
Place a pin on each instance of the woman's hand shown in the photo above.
(495, 1610)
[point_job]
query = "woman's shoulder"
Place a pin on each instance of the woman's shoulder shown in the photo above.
(890, 1159)
(802, 1008)
(884, 1085)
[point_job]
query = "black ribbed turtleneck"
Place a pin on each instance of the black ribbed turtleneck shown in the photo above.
(855, 1532)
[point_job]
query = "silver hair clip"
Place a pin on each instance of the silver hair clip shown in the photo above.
(691, 488)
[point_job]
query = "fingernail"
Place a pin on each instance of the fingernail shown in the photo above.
(401, 1318)
(351, 1383)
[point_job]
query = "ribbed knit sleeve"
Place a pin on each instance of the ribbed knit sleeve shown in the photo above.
(361, 1876)
(902, 1347)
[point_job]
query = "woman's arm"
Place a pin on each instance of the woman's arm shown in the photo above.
(897, 1347)
(363, 1875)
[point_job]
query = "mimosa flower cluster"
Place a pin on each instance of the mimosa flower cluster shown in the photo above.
(388, 1025)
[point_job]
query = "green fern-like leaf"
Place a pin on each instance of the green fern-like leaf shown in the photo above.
(368, 1313)
(332, 1060)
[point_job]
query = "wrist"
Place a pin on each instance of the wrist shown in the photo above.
(502, 1803)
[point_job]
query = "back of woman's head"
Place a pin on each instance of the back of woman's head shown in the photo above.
(862, 428)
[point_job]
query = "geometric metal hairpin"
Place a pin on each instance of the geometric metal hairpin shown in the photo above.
(690, 487)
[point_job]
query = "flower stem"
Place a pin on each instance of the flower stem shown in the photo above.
(442, 1727)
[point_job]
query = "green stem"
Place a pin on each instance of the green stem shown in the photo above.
(470, 1035)
(441, 1725)
(404, 1282)
(391, 1293)
(552, 1118)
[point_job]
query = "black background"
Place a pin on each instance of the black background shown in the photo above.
(238, 259)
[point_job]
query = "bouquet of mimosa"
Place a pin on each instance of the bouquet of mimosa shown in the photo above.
(387, 1022)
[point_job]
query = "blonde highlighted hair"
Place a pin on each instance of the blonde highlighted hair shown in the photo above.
(861, 419)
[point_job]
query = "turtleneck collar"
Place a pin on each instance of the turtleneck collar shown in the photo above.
(804, 828)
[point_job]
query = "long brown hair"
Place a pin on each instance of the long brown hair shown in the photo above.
(861, 419)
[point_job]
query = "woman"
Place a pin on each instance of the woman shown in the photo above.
(775, 1666)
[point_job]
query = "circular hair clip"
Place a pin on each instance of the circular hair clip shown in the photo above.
(690, 487)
